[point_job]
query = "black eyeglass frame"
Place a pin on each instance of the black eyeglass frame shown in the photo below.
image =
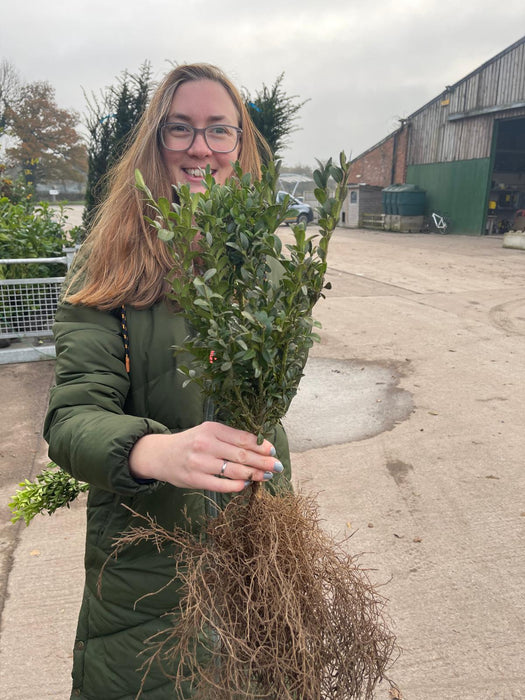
(196, 131)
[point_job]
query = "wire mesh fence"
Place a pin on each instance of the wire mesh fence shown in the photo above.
(28, 305)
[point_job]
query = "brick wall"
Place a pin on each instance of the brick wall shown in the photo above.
(374, 167)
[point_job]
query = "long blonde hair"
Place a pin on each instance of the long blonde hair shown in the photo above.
(122, 260)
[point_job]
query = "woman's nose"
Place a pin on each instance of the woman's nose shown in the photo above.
(199, 147)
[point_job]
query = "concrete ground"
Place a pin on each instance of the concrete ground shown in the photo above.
(408, 425)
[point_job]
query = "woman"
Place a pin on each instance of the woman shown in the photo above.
(118, 415)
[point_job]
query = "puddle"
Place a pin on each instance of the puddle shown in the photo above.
(344, 401)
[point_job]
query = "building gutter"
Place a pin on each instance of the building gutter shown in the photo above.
(485, 110)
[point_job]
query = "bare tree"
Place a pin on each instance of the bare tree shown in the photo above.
(10, 88)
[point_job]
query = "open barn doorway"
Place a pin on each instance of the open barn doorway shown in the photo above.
(506, 208)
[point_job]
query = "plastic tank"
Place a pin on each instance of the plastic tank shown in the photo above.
(411, 201)
(389, 196)
(404, 200)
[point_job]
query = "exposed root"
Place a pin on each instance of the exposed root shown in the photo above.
(270, 607)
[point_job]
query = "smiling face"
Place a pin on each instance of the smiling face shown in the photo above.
(200, 103)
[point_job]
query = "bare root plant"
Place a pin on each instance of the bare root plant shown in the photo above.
(270, 607)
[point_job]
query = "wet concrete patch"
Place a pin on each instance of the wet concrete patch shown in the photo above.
(344, 401)
(399, 471)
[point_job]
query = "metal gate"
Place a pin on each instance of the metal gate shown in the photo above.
(28, 306)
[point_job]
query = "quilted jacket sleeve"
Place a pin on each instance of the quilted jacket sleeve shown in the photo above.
(89, 434)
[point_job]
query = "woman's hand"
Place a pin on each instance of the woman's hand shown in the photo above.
(195, 458)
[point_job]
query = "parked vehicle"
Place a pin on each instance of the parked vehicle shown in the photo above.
(300, 213)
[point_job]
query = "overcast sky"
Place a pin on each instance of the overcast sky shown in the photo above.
(363, 64)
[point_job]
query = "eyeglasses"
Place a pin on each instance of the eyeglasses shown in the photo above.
(220, 138)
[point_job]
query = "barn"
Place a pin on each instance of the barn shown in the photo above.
(465, 148)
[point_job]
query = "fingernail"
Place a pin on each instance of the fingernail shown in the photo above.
(273, 452)
(278, 467)
(267, 476)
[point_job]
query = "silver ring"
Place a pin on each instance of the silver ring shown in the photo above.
(223, 468)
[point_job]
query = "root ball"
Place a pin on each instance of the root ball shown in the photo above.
(270, 607)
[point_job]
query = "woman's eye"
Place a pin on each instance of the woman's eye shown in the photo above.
(179, 129)
(220, 130)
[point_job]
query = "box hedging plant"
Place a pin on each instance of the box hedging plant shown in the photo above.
(281, 609)
(226, 255)
(50, 490)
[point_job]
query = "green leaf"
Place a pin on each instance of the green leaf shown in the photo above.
(319, 180)
(141, 185)
(320, 194)
(245, 241)
(248, 316)
(336, 173)
(209, 274)
(202, 303)
(164, 207)
(165, 235)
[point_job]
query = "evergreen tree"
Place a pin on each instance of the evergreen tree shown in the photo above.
(274, 113)
(112, 118)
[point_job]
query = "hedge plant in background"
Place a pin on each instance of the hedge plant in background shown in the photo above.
(30, 230)
(15, 189)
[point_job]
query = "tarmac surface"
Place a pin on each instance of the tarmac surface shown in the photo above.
(409, 427)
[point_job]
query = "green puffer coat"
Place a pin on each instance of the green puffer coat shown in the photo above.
(97, 412)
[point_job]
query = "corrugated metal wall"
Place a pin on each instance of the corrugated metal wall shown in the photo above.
(448, 129)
